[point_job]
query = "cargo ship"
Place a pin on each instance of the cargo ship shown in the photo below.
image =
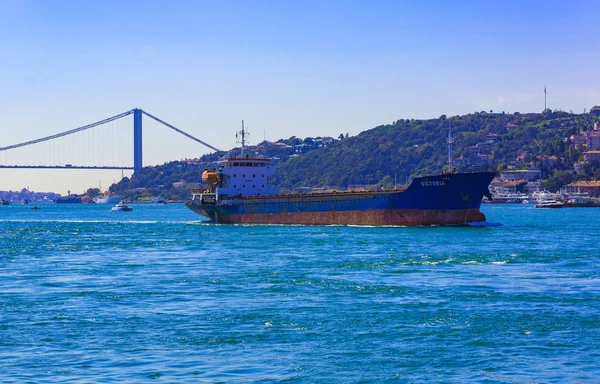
(70, 199)
(237, 192)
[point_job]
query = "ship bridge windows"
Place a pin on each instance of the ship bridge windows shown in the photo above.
(244, 164)
(247, 165)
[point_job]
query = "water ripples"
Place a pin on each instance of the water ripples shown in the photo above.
(159, 295)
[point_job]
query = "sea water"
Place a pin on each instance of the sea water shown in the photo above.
(157, 294)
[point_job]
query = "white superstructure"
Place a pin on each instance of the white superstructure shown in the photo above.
(244, 176)
(237, 176)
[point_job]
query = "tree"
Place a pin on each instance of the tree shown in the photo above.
(558, 180)
(385, 183)
(293, 141)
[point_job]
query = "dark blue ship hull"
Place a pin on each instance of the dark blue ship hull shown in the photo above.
(432, 200)
(68, 200)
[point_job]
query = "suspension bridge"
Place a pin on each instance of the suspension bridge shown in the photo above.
(73, 149)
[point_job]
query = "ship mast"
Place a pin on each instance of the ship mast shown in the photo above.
(243, 133)
(450, 141)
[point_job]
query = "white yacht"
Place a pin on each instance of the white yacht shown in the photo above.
(121, 207)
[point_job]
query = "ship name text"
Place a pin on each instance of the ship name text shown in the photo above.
(433, 183)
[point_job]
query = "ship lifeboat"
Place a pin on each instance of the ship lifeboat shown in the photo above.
(209, 177)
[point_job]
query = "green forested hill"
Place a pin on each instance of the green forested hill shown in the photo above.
(403, 150)
(409, 148)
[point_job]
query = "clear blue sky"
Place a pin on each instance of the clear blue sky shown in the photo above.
(304, 68)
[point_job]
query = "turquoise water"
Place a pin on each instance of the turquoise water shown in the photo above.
(158, 295)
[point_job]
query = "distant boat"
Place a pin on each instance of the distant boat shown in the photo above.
(4, 202)
(545, 196)
(550, 204)
(70, 199)
(121, 207)
(530, 199)
(108, 199)
(506, 198)
(87, 200)
(34, 207)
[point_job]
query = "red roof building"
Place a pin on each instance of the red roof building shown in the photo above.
(592, 188)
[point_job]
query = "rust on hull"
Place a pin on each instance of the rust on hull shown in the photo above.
(387, 217)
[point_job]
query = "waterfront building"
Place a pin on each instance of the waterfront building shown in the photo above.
(592, 188)
(522, 174)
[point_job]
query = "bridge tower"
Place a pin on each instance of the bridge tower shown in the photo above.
(137, 140)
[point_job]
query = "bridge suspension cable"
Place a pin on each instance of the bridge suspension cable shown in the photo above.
(137, 143)
(180, 131)
(68, 132)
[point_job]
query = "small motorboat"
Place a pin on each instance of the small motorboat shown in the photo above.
(121, 207)
(550, 204)
(34, 207)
